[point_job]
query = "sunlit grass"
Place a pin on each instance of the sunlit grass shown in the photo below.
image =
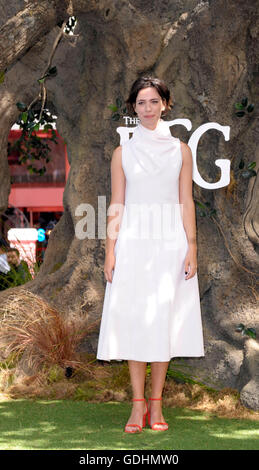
(67, 424)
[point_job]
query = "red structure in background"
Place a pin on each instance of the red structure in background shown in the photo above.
(38, 197)
(33, 193)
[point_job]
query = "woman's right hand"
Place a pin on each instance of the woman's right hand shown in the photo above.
(109, 265)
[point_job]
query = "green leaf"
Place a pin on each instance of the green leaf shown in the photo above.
(30, 125)
(201, 205)
(240, 327)
(241, 164)
(113, 107)
(240, 113)
(24, 116)
(250, 108)
(2, 75)
(239, 106)
(250, 332)
(31, 115)
(21, 106)
(53, 71)
(244, 102)
(41, 80)
(115, 117)
(251, 165)
(248, 173)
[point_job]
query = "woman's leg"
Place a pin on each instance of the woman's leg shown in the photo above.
(137, 375)
(158, 375)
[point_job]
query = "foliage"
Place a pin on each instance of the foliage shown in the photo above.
(249, 171)
(30, 146)
(246, 331)
(117, 109)
(243, 107)
(51, 72)
(204, 210)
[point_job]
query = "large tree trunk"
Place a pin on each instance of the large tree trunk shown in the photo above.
(207, 52)
(29, 25)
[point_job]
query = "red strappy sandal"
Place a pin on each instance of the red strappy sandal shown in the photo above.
(148, 415)
(144, 418)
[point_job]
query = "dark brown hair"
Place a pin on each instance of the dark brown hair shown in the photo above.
(145, 82)
(13, 249)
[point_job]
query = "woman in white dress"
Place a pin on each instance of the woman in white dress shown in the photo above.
(151, 309)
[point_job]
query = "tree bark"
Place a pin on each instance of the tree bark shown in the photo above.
(24, 29)
(207, 52)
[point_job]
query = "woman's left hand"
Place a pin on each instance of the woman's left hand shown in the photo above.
(190, 264)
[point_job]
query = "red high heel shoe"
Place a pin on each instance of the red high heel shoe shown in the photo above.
(148, 416)
(144, 418)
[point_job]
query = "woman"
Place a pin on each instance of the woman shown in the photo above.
(151, 309)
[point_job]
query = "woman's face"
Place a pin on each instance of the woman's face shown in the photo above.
(149, 106)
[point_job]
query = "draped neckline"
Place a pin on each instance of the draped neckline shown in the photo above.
(154, 149)
(161, 131)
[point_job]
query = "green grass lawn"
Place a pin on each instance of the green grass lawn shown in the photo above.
(68, 424)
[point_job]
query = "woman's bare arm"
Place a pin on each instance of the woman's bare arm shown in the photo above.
(188, 207)
(185, 195)
(118, 183)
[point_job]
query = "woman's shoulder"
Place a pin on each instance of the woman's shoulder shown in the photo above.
(184, 145)
(117, 155)
(117, 152)
(185, 148)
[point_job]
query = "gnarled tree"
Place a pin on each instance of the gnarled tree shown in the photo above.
(207, 52)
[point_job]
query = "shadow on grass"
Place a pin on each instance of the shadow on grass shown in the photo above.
(66, 424)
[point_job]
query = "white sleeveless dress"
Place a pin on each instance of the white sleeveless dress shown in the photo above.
(150, 311)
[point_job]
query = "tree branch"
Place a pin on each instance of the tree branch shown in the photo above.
(24, 29)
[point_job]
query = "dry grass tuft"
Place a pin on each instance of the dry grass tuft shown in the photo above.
(223, 403)
(28, 324)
